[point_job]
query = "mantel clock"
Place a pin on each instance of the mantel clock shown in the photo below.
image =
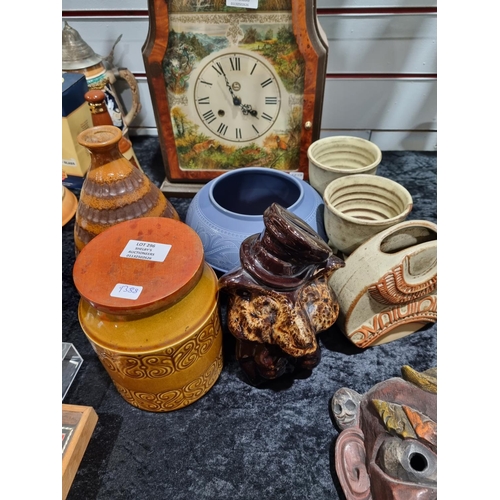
(235, 83)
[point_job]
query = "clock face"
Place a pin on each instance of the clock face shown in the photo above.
(235, 83)
(232, 87)
(237, 97)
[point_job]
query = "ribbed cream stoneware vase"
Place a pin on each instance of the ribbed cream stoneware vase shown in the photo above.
(337, 156)
(359, 206)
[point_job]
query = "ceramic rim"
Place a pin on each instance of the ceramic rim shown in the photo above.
(392, 200)
(361, 152)
(261, 171)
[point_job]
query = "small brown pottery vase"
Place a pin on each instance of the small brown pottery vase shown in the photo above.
(279, 298)
(387, 447)
(114, 190)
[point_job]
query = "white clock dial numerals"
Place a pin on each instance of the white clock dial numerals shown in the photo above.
(235, 63)
(237, 97)
(222, 129)
(209, 117)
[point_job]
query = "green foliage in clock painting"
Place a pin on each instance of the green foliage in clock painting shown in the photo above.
(210, 154)
(294, 127)
(185, 131)
(284, 159)
(221, 157)
(281, 50)
(184, 50)
(197, 151)
(284, 149)
(220, 6)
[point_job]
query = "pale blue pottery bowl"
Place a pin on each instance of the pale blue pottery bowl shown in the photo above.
(229, 208)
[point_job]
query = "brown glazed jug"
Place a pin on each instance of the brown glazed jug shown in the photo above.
(279, 297)
(114, 190)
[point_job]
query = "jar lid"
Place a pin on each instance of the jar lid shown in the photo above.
(139, 266)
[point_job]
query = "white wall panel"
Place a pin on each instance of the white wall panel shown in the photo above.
(358, 106)
(357, 44)
(104, 5)
(363, 134)
(384, 43)
(396, 113)
(143, 4)
(389, 140)
(380, 103)
(407, 140)
(345, 4)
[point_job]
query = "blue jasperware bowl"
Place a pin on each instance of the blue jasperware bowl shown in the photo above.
(230, 208)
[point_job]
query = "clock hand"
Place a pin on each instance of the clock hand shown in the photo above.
(246, 108)
(236, 100)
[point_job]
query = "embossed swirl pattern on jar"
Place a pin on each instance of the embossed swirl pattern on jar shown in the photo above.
(164, 362)
(171, 378)
(174, 399)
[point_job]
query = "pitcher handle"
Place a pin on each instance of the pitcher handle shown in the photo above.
(125, 74)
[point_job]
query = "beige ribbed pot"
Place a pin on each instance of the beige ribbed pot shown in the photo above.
(359, 206)
(334, 157)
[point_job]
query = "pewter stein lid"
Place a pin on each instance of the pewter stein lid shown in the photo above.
(76, 53)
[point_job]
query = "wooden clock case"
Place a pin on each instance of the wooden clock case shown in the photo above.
(312, 45)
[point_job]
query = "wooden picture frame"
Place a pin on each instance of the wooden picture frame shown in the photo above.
(313, 48)
(78, 424)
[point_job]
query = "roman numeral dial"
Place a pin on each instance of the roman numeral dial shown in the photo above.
(237, 97)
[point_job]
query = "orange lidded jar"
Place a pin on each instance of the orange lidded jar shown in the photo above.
(149, 308)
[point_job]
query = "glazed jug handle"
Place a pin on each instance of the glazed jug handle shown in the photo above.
(405, 235)
(129, 78)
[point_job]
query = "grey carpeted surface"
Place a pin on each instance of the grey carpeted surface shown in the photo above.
(238, 441)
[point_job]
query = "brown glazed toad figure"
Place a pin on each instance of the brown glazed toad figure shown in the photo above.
(387, 448)
(279, 298)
